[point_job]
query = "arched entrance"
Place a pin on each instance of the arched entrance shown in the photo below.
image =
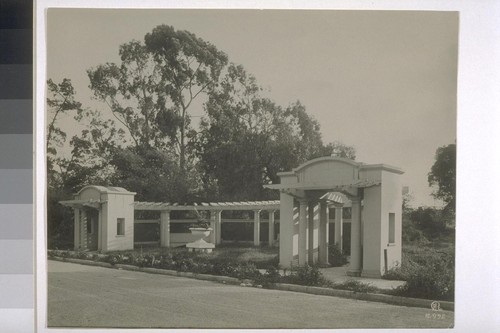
(92, 230)
(373, 193)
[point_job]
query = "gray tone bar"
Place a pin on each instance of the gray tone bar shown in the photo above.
(16, 81)
(16, 221)
(16, 291)
(19, 43)
(17, 320)
(16, 186)
(16, 151)
(16, 116)
(16, 257)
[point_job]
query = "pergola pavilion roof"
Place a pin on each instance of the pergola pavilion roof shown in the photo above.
(79, 204)
(94, 202)
(106, 189)
(336, 197)
(361, 183)
(216, 206)
(146, 205)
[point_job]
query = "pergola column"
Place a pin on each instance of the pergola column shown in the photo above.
(311, 230)
(256, 227)
(83, 230)
(165, 228)
(271, 227)
(218, 226)
(77, 229)
(287, 230)
(213, 226)
(356, 253)
(99, 229)
(323, 234)
(338, 227)
(303, 232)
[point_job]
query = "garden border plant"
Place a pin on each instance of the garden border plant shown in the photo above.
(188, 262)
(182, 261)
(429, 273)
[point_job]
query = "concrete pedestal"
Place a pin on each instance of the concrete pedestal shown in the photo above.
(200, 245)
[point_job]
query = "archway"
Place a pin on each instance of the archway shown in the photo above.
(374, 195)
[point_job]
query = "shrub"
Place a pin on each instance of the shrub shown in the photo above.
(356, 286)
(184, 264)
(63, 254)
(246, 271)
(270, 277)
(435, 281)
(430, 220)
(428, 273)
(306, 275)
(412, 234)
(335, 257)
(112, 259)
(83, 255)
(395, 273)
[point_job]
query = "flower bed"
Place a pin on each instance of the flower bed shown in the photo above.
(183, 261)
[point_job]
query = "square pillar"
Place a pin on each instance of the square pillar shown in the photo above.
(165, 228)
(256, 228)
(303, 234)
(83, 230)
(76, 233)
(356, 253)
(213, 225)
(312, 230)
(218, 226)
(338, 227)
(287, 231)
(99, 229)
(323, 234)
(271, 228)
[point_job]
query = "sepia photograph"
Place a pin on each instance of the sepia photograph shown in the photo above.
(250, 169)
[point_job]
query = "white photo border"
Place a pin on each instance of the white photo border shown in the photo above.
(478, 242)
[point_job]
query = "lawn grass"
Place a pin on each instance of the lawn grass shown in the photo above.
(260, 256)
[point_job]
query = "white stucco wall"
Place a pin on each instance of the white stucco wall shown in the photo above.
(119, 206)
(330, 171)
(372, 234)
(379, 199)
(392, 203)
(114, 203)
(89, 193)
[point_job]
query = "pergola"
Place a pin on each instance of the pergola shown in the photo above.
(215, 209)
(104, 216)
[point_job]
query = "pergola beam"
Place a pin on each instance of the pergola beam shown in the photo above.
(246, 205)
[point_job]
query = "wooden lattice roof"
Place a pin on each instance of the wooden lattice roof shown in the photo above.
(237, 205)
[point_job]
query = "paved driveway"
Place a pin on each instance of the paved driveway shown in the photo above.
(86, 296)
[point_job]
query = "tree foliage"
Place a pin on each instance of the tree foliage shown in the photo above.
(151, 91)
(443, 175)
(246, 139)
(148, 144)
(60, 100)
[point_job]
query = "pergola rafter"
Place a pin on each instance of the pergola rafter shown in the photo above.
(209, 206)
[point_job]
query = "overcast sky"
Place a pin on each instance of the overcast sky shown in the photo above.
(383, 82)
